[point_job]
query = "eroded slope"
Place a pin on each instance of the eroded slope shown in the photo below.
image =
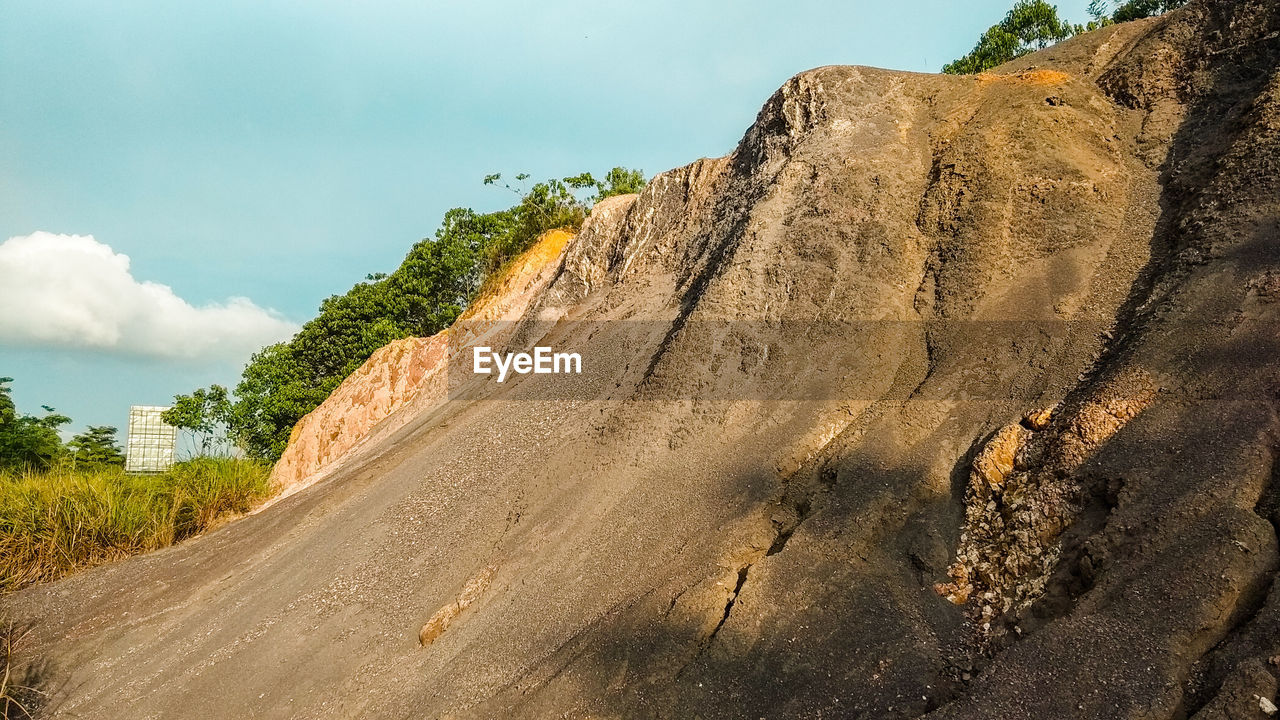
(800, 361)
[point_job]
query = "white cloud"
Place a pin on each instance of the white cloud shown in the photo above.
(73, 291)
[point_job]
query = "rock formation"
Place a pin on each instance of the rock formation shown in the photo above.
(410, 376)
(816, 379)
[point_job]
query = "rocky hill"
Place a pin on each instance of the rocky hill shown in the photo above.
(940, 396)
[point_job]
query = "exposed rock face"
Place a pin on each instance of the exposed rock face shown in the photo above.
(391, 377)
(1024, 491)
(410, 374)
(817, 370)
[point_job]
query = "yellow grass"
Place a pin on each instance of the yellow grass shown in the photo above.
(61, 520)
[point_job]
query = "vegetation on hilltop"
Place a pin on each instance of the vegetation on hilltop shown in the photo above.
(1134, 9)
(1032, 25)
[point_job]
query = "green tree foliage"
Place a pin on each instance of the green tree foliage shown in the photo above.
(27, 441)
(423, 296)
(430, 289)
(1030, 25)
(620, 181)
(1100, 11)
(8, 411)
(1034, 25)
(95, 448)
(275, 391)
(1138, 9)
(545, 206)
(206, 416)
(1103, 13)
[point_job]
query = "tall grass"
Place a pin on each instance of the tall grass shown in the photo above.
(60, 520)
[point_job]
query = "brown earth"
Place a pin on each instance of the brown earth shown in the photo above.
(410, 377)
(796, 359)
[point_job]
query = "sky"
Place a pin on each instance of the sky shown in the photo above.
(182, 183)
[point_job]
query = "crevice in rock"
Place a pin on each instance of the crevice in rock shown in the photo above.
(728, 606)
(1268, 505)
(802, 501)
(799, 499)
(804, 509)
(1027, 509)
(724, 618)
(1080, 559)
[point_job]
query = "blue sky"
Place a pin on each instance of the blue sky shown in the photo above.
(279, 151)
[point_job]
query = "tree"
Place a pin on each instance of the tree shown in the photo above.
(439, 277)
(619, 181)
(275, 391)
(207, 415)
(8, 411)
(27, 441)
(96, 447)
(433, 285)
(549, 205)
(1138, 9)
(545, 206)
(1030, 25)
(1099, 10)
(1034, 24)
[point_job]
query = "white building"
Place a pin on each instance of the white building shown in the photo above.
(151, 442)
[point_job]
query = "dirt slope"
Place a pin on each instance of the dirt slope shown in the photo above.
(410, 377)
(811, 423)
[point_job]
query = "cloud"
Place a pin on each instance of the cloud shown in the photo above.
(73, 291)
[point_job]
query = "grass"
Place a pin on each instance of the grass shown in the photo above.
(543, 250)
(61, 520)
(16, 699)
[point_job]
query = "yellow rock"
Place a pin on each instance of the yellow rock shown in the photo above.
(1038, 419)
(995, 462)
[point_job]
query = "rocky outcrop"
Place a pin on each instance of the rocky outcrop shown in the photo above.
(391, 377)
(1024, 492)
